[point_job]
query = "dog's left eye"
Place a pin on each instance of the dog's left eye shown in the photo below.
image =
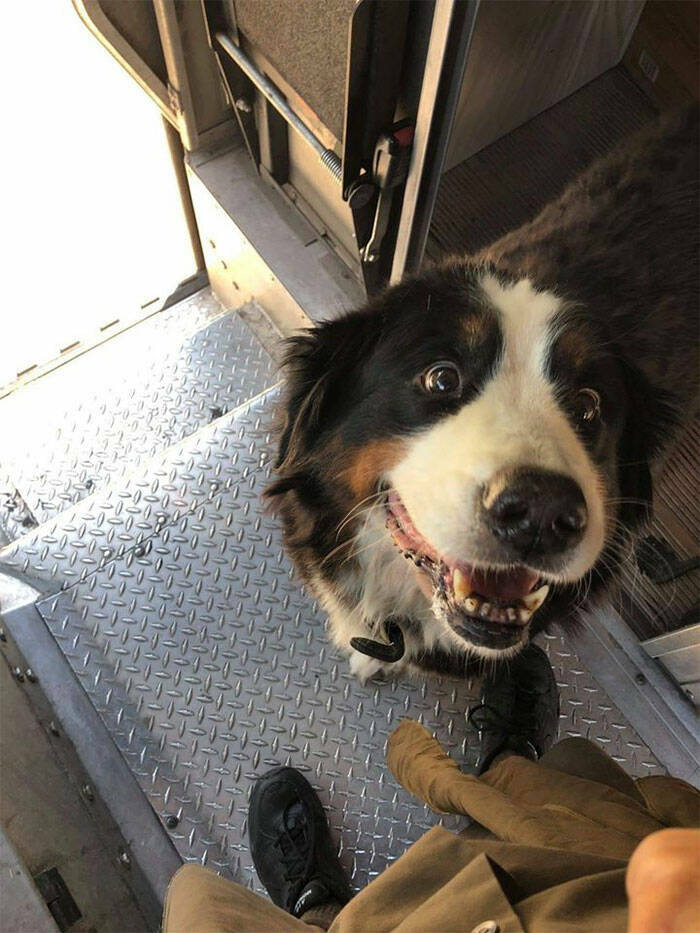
(442, 378)
(588, 406)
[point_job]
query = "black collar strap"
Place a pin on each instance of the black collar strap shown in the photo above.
(390, 653)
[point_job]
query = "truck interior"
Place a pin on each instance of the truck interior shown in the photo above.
(159, 651)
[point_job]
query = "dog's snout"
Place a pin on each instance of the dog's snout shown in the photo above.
(537, 512)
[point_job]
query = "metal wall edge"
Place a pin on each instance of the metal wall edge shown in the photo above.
(655, 708)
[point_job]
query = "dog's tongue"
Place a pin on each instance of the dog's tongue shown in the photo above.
(500, 584)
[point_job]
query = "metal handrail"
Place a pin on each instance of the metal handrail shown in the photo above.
(270, 92)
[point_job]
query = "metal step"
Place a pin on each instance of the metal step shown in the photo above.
(91, 421)
(176, 608)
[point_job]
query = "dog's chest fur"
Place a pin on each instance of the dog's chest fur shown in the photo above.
(378, 585)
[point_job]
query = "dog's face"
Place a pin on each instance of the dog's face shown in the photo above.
(491, 426)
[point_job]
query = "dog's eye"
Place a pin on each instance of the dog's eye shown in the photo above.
(588, 406)
(442, 379)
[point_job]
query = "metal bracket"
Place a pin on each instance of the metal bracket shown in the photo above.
(376, 41)
(389, 167)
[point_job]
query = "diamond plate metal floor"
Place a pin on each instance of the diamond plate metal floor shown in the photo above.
(178, 611)
(91, 421)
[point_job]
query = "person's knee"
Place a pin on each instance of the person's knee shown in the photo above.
(188, 883)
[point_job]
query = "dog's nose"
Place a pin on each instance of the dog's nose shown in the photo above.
(538, 513)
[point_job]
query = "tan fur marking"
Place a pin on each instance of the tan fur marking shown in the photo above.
(369, 462)
(475, 326)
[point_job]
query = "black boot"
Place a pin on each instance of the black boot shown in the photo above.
(291, 845)
(519, 710)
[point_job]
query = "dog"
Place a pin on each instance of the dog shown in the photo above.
(463, 460)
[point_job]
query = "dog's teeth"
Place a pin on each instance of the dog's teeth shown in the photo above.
(524, 615)
(512, 614)
(485, 609)
(471, 605)
(461, 585)
(533, 601)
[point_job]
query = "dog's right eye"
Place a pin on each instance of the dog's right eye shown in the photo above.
(442, 378)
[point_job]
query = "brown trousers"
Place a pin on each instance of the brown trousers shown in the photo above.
(563, 831)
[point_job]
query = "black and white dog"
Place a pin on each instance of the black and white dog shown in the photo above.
(494, 419)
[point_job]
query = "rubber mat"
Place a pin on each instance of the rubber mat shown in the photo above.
(177, 609)
(510, 181)
(91, 421)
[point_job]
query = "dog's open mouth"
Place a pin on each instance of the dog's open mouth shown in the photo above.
(487, 607)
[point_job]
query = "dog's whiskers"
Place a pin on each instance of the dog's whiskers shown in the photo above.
(366, 547)
(356, 509)
(368, 511)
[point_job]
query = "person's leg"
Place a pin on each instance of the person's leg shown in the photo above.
(582, 758)
(199, 901)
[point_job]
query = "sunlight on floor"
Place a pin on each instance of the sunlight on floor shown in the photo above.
(94, 227)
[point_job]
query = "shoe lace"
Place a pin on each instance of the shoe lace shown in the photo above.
(291, 846)
(487, 718)
(522, 722)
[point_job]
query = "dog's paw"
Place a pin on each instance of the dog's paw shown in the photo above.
(363, 667)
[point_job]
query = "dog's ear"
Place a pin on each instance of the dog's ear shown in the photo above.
(306, 368)
(302, 419)
(648, 421)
